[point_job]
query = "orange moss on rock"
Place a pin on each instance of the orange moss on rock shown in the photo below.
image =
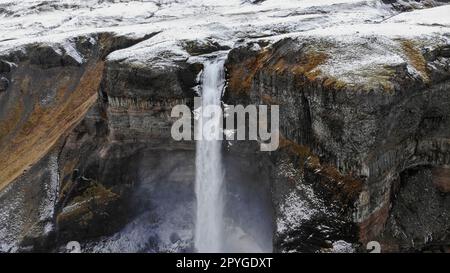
(387, 86)
(12, 119)
(308, 62)
(241, 75)
(350, 186)
(343, 187)
(416, 58)
(95, 204)
(302, 152)
(45, 126)
(269, 100)
(95, 192)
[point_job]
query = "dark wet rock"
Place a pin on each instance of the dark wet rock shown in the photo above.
(39, 237)
(4, 83)
(174, 237)
(254, 1)
(27, 222)
(127, 80)
(420, 215)
(5, 67)
(195, 47)
(45, 56)
(408, 5)
(441, 178)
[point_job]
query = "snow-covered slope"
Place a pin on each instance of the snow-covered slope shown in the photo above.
(31, 21)
(224, 22)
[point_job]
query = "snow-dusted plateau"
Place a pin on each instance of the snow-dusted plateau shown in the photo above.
(86, 153)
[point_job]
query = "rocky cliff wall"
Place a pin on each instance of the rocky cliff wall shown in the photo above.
(72, 124)
(367, 127)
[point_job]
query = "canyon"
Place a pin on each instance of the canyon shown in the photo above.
(86, 92)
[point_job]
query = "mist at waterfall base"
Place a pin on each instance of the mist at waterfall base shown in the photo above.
(215, 229)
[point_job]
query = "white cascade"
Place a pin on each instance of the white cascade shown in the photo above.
(209, 230)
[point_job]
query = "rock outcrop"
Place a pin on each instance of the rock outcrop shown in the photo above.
(96, 134)
(352, 134)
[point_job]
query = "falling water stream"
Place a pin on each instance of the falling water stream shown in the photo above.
(209, 231)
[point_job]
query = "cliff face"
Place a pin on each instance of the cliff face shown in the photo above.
(354, 135)
(82, 140)
(87, 155)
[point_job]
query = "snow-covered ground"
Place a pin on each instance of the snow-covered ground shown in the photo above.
(33, 20)
(346, 22)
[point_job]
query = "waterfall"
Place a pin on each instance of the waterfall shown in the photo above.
(209, 170)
